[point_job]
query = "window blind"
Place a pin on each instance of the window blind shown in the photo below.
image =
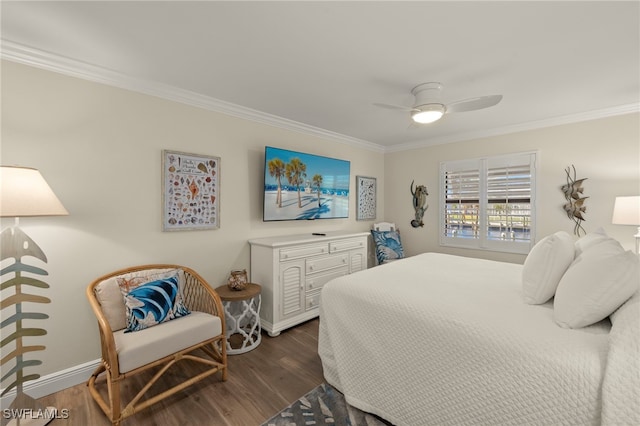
(508, 208)
(462, 203)
(487, 202)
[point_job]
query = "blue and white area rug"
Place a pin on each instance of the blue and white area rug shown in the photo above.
(323, 405)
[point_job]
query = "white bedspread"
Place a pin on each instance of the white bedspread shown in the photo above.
(437, 339)
(621, 386)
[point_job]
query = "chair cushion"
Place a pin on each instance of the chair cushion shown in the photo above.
(153, 303)
(148, 345)
(388, 245)
(110, 298)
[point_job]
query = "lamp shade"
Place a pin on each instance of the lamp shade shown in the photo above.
(626, 211)
(24, 192)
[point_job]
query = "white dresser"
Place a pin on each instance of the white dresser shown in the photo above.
(292, 270)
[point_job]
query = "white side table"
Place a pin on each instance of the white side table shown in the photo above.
(242, 317)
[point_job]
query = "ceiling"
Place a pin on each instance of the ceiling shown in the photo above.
(320, 66)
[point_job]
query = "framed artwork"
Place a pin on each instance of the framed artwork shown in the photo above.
(190, 191)
(366, 198)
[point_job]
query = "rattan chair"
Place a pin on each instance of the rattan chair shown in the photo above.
(122, 356)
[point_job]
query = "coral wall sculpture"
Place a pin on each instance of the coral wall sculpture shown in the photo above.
(574, 207)
(419, 203)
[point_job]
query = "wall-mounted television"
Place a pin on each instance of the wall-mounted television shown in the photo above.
(300, 186)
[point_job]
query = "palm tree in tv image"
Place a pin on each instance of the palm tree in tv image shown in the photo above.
(317, 182)
(277, 170)
(295, 172)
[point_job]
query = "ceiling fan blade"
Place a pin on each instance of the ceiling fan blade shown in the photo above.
(398, 107)
(474, 103)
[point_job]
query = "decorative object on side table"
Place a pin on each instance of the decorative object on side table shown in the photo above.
(366, 196)
(238, 280)
(24, 192)
(242, 317)
(626, 211)
(190, 191)
(574, 207)
(419, 202)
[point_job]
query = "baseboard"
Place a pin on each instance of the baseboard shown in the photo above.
(55, 382)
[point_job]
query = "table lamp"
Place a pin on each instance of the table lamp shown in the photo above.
(23, 192)
(626, 211)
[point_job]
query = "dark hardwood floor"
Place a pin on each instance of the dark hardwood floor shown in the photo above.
(261, 382)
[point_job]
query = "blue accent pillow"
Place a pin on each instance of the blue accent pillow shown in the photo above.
(388, 245)
(153, 303)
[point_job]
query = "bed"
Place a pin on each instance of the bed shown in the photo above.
(437, 339)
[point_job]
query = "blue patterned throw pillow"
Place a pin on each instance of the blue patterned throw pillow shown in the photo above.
(153, 303)
(388, 245)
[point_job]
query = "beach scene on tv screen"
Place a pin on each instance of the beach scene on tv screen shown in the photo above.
(299, 186)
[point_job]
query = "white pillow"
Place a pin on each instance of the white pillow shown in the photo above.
(590, 240)
(635, 299)
(595, 285)
(545, 264)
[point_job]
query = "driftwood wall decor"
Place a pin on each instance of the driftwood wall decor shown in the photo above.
(419, 204)
(574, 207)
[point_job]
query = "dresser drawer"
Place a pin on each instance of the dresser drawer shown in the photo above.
(325, 263)
(313, 301)
(316, 281)
(342, 245)
(303, 251)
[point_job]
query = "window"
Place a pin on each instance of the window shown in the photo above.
(487, 203)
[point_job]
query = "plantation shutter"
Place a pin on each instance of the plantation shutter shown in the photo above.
(486, 203)
(462, 200)
(508, 189)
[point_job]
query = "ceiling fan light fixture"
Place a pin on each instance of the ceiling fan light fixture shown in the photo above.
(426, 114)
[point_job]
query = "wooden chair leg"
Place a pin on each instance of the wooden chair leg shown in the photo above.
(225, 370)
(113, 388)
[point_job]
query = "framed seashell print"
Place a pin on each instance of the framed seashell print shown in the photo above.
(190, 191)
(366, 198)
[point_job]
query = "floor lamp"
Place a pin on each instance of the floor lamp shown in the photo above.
(23, 192)
(626, 211)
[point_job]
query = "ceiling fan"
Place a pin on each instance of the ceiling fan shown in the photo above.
(428, 106)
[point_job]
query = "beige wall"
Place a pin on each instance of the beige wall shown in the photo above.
(99, 148)
(605, 151)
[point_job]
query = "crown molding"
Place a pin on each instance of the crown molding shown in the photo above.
(26, 55)
(522, 127)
